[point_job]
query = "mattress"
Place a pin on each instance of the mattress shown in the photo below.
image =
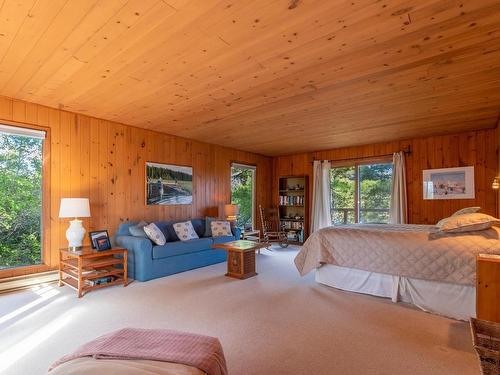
(412, 251)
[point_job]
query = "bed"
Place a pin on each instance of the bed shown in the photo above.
(417, 264)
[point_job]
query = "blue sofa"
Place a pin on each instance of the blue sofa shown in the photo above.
(148, 261)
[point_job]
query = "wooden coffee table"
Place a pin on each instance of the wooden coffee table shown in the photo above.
(240, 257)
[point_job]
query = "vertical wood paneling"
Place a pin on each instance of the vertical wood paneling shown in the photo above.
(476, 148)
(105, 161)
(497, 172)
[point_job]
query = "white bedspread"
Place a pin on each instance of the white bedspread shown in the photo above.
(416, 251)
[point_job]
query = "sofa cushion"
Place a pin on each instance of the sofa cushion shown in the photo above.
(199, 226)
(185, 231)
(221, 228)
(154, 234)
(208, 226)
(222, 239)
(123, 229)
(171, 249)
(138, 229)
(168, 230)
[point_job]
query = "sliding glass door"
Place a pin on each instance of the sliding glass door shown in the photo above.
(243, 193)
(361, 193)
(21, 156)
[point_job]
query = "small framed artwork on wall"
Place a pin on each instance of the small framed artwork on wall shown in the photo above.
(449, 183)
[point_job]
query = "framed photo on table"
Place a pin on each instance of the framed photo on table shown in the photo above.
(449, 183)
(100, 240)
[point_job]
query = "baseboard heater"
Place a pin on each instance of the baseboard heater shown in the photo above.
(12, 284)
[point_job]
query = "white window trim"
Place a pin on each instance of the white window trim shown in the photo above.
(23, 132)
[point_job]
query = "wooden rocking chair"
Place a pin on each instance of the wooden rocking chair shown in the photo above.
(271, 228)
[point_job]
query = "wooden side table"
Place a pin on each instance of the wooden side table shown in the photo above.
(488, 287)
(240, 257)
(79, 269)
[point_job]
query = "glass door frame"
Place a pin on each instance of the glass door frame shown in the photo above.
(48, 262)
(254, 186)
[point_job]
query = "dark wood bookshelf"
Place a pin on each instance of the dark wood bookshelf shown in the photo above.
(293, 207)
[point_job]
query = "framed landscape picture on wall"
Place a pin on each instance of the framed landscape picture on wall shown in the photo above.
(168, 184)
(449, 183)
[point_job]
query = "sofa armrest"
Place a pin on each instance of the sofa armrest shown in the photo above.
(236, 232)
(139, 257)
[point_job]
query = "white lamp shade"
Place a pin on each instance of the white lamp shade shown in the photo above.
(74, 207)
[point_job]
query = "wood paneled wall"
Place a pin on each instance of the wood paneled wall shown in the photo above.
(105, 161)
(476, 148)
(498, 164)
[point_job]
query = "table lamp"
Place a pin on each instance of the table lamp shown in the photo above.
(231, 211)
(496, 183)
(75, 207)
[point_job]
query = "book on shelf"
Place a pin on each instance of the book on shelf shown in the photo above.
(94, 271)
(296, 235)
(292, 224)
(99, 281)
(291, 200)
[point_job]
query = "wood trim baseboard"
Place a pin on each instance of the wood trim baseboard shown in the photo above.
(16, 283)
(24, 271)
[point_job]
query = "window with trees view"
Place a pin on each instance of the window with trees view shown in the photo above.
(361, 193)
(20, 196)
(243, 193)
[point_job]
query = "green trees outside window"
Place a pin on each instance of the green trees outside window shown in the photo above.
(370, 184)
(242, 193)
(20, 200)
(343, 185)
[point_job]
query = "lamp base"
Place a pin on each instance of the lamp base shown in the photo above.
(75, 234)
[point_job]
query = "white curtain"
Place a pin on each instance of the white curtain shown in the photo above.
(321, 216)
(398, 210)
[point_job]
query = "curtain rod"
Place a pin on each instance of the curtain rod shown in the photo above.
(407, 151)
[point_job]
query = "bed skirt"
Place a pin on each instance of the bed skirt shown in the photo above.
(452, 300)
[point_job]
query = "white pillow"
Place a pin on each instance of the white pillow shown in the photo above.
(155, 234)
(221, 228)
(467, 223)
(467, 210)
(185, 231)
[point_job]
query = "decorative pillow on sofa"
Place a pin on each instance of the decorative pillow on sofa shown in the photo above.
(208, 226)
(466, 223)
(155, 234)
(221, 228)
(137, 230)
(185, 231)
(467, 210)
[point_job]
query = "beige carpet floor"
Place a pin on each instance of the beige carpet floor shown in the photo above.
(275, 323)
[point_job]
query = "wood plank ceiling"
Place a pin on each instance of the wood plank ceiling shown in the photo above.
(272, 77)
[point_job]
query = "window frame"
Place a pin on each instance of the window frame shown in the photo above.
(46, 263)
(254, 186)
(356, 163)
